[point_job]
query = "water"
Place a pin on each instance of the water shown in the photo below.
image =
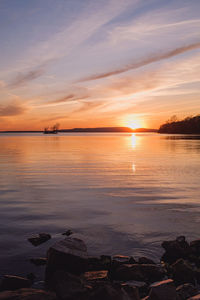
(121, 193)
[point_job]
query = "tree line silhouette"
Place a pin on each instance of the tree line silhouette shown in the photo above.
(189, 125)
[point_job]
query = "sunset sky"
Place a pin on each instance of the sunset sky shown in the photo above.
(94, 63)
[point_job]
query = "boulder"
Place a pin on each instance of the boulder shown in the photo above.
(145, 260)
(175, 249)
(197, 297)
(69, 255)
(131, 291)
(11, 283)
(110, 291)
(40, 261)
(95, 275)
(182, 272)
(67, 232)
(38, 239)
(141, 286)
(195, 247)
(67, 286)
(143, 272)
(97, 263)
(122, 259)
(163, 290)
(27, 294)
(186, 290)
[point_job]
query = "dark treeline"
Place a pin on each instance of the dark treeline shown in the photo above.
(189, 125)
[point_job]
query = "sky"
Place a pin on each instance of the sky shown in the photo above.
(96, 63)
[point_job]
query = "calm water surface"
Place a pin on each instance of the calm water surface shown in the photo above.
(121, 193)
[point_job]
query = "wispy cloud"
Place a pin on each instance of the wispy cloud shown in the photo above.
(70, 97)
(143, 62)
(24, 78)
(13, 109)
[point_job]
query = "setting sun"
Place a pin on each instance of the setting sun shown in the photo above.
(133, 122)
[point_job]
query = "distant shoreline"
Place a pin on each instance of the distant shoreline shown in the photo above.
(89, 130)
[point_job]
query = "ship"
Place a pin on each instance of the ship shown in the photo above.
(51, 130)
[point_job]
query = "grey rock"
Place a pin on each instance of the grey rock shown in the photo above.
(69, 255)
(186, 290)
(11, 282)
(163, 290)
(27, 294)
(39, 261)
(38, 239)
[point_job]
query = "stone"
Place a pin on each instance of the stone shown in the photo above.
(163, 290)
(38, 239)
(27, 294)
(40, 261)
(122, 259)
(175, 249)
(141, 286)
(143, 272)
(145, 260)
(69, 255)
(131, 291)
(67, 286)
(11, 283)
(95, 275)
(197, 297)
(186, 290)
(182, 272)
(97, 263)
(195, 247)
(67, 232)
(108, 291)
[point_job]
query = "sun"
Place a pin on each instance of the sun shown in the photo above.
(134, 124)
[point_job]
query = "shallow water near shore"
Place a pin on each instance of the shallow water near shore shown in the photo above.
(120, 193)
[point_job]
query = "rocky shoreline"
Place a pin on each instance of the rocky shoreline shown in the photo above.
(71, 274)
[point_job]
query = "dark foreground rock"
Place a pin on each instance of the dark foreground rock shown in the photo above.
(140, 272)
(67, 232)
(39, 261)
(38, 239)
(183, 272)
(176, 249)
(69, 255)
(186, 291)
(163, 290)
(10, 282)
(27, 294)
(72, 275)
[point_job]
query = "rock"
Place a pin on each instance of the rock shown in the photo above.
(182, 272)
(145, 260)
(186, 290)
(143, 272)
(195, 247)
(141, 286)
(176, 249)
(69, 255)
(131, 291)
(40, 261)
(67, 232)
(11, 283)
(27, 294)
(163, 290)
(96, 275)
(97, 263)
(67, 286)
(38, 239)
(122, 259)
(31, 277)
(197, 297)
(109, 291)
